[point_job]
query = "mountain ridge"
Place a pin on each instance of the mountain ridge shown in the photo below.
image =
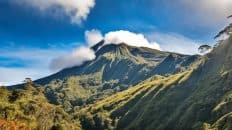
(196, 99)
(125, 51)
(115, 68)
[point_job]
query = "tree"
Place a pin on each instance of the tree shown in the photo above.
(227, 30)
(27, 80)
(57, 127)
(203, 49)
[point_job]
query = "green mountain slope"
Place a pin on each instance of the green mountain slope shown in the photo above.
(129, 65)
(198, 98)
(115, 68)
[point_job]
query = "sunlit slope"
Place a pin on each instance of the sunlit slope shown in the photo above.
(199, 98)
(128, 107)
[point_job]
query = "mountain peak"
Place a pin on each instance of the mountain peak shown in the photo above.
(116, 49)
(98, 45)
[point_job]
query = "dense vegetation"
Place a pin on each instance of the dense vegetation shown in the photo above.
(29, 109)
(109, 113)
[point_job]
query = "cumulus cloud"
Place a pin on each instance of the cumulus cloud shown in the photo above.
(122, 36)
(130, 38)
(172, 42)
(80, 55)
(76, 58)
(168, 42)
(83, 54)
(78, 10)
(93, 36)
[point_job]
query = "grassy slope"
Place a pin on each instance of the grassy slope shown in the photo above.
(196, 99)
(115, 110)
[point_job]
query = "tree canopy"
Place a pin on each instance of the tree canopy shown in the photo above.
(227, 30)
(204, 49)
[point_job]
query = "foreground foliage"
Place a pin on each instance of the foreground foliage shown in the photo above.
(29, 109)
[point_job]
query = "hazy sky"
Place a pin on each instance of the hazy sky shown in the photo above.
(35, 33)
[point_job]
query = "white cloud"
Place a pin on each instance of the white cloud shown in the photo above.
(130, 38)
(175, 43)
(214, 7)
(168, 42)
(32, 56)
(76, 58)
(206, 12)
(35, 63)
(11, 76)
(83, 54)
(78, 10)
(93, 36)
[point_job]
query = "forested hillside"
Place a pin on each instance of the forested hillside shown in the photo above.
(29, 109)
(199, 98)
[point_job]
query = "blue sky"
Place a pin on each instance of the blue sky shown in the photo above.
(34, 32)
